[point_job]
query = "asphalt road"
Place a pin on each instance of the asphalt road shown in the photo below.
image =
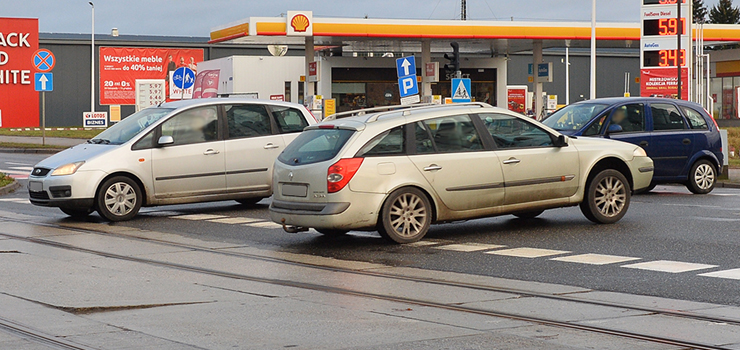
(660, 248)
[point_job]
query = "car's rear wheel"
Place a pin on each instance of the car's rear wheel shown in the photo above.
(330, 232)
(406, 216)
(119, 199)
(607, 197)
(702, 178)
(529, 214)
(76, 213)
(249, 201)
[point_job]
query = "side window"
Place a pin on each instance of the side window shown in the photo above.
(289, 119)
(249, 120)
(696, 119)
(630, 117)
(512, 132)
(666, 117)
(145, 142)
(390, 142)
(424, 143)
(454, 134)
(193, 126)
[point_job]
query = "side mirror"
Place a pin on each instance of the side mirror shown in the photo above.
(165, 140)
(561, 141)
(614, 128)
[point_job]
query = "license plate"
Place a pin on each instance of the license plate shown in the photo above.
(295, 190)
(35, 186)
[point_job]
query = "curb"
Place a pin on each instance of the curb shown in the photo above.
(728, 184)
(10, 188)
(30, 150)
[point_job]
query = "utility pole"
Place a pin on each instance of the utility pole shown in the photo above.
(464, 10)
(679, 27)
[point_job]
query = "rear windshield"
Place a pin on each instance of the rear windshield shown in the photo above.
(313, 146)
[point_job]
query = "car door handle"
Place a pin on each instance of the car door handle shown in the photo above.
(433, 167)
(686, 141)
(271, 146)
(512, 161)
(211, 151)
(643, 144)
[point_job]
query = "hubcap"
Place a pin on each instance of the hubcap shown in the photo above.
(704, 176)
(120, 198)
(610, 196)
(408, 215)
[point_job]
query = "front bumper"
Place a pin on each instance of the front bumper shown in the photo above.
(642, 170)
(359, 213)
(76, 191)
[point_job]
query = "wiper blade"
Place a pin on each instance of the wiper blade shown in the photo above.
(100, 141)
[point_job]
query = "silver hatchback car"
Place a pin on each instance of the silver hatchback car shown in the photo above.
(399, 169)
(178, 152)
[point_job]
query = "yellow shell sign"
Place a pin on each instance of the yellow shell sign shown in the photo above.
(299, 23)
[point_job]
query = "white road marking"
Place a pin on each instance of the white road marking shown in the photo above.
(9, 172)
(264, 224)
(14, 163)
(27, 168)
(199, 217)
(16, 200)
(233, 221)
(528, 252)
(730, 274)
(669, 266)
(160, 213)
(422, 244)
(595, 259)
(470, 247)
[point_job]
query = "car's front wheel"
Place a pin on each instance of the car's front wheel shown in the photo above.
(702, 178)
(119, 199)
(607, 197)
(406, 216)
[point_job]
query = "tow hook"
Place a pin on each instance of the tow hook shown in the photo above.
(292, 229)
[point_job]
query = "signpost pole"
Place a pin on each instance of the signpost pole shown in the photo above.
(679, 29)
(43, 118)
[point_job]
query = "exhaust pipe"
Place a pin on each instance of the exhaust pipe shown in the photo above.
(292, 229)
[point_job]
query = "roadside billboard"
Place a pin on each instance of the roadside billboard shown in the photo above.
(19, 101)
(662, 82)
(516, 98)
(120, 67)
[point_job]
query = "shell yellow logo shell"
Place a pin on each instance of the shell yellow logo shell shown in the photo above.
(299, 23)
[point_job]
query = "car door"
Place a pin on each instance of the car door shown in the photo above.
(193, 164)
(632, 125)
(451, 156)
(252, 145)
(534, 168)
(671, 141)
(290, 121)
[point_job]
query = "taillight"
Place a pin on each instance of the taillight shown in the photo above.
(339, 174)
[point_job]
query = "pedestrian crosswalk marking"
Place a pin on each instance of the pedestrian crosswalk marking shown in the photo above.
(233, 221)
(595, 259)
(669, 266)
(526, 252)
(729, 274)
(264, 224)
(461, 93)
(470, 247)
(196, 217)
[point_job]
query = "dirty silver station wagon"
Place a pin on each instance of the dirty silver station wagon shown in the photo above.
(399, 169)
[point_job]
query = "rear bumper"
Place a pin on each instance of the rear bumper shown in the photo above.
(360, 213)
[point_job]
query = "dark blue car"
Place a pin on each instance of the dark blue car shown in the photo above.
(680, 136)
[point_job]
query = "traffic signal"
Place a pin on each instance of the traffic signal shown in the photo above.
(454, 65)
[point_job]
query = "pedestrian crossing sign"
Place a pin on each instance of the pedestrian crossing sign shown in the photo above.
(461, 90)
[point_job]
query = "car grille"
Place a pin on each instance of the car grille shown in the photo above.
(38, 195)
(40, 172)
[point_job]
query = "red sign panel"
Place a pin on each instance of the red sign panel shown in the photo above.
(516, 99)
(19, 101)
(120, 67)
(662, 82)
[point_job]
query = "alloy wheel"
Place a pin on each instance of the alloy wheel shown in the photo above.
(610, 197)
(408, 215)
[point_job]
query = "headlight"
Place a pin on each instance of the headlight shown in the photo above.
(639, 152)
(67, 169)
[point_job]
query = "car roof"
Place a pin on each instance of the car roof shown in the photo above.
(225, 100)
(618, 100)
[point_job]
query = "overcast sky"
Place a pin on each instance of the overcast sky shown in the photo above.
(198, 17)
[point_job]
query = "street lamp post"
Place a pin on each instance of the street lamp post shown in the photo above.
(92, 61)
(593, 50)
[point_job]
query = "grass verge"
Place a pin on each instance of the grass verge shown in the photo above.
(733, 142)
(72, 134)
(29, 145)
(5, 180)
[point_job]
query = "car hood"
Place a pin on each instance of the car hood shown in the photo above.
(82, 152)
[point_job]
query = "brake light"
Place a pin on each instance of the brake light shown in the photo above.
(326, 126)
(341, 172)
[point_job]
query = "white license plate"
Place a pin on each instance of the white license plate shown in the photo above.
(35, 186)
(295, 190)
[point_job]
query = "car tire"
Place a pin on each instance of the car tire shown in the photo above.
(331, 232)
(607, 197)
(529, 214)
(249, 202)
(119, 199)
(76, 213)
(405, 216)
(702, 178)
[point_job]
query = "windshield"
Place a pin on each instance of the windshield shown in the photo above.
(573, 117)
(313, 146)
(130, 126)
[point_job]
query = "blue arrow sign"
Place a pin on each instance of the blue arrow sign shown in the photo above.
(183, 78)
(406, 66)
(408, 86)
(43, 81)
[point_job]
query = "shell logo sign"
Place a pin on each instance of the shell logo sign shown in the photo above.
(300, 23)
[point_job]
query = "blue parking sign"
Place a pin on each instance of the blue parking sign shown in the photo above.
(408, 86)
